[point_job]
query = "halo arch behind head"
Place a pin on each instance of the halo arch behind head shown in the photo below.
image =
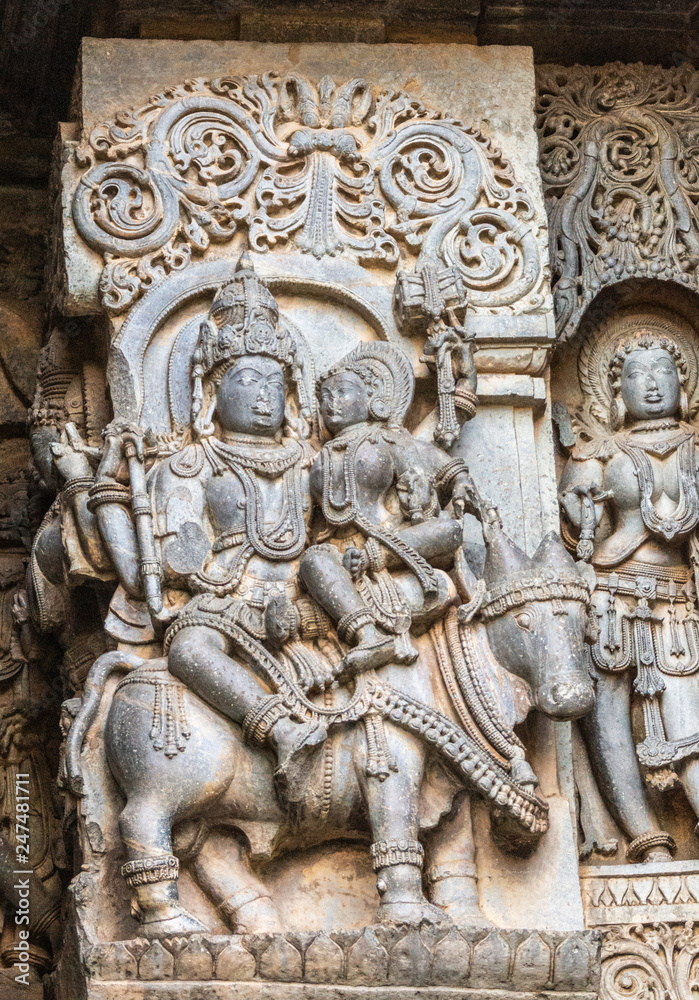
(148, 388)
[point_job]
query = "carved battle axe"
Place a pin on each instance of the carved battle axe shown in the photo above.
(432, 302)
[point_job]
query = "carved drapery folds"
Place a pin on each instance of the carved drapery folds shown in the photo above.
(325, 168)
(618, 159)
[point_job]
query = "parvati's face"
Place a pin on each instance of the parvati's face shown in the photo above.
(344, 401)
(250, 399)
(650, 384)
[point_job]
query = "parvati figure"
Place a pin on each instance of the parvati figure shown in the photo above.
(380, 490)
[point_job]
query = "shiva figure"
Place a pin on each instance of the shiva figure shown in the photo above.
(381, 491)
(230, 511)
(631, 496)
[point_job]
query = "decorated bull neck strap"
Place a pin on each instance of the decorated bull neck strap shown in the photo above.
(517, 593)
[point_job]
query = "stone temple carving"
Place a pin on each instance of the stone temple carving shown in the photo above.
(380, 660)
(618, 162)
(630, 492)
(372, 680)
(324, 166)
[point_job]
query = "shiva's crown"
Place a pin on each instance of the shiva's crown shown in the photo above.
(243, 320)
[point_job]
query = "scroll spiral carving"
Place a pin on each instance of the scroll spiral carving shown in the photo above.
(328, 168)
(657, 962)
(619, 158)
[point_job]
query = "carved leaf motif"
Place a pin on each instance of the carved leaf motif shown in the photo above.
(650, 963)
(330, 168)
(618, 157)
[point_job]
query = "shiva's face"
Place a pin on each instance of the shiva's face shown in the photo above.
(650, 384)
(250, 399)
(344, 401)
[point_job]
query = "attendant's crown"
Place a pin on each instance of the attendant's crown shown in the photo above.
(243, 320)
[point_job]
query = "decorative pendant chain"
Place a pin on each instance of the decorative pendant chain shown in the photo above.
(685, 517)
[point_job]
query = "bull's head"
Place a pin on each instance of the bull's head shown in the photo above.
(536, 612)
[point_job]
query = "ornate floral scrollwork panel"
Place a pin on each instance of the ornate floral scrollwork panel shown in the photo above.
(618, 158)
(323, 168)
(650, 962)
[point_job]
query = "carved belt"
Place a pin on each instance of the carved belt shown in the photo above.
(257, 592)
(637, 579)
(638, 638)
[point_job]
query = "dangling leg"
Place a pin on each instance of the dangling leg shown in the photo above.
(199, 657)
(397, 854)
(610, 743)
(219, 864)
(332, 586)
(451, 876)
(152, 870)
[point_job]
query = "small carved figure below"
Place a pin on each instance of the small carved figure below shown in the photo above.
(631, 494)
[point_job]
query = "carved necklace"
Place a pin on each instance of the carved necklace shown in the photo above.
(339, 512)
(685, 517)
(263, 456)
(285, 539)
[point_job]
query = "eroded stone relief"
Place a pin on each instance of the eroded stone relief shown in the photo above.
(627, 497)
(304, 678)
(379, 650)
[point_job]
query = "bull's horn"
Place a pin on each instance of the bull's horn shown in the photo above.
(503, 560)
(553, 553)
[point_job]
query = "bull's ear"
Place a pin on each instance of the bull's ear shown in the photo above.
(503, 558)
(553, 554)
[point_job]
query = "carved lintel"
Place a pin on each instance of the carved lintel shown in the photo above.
(320, 167)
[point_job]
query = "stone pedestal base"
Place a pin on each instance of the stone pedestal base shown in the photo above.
(301, 991)
(372, 962)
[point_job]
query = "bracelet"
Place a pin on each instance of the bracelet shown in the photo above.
(349, 624)
(466, 401)
(450, 471)
(81, 484)
(453, 869)
(102, 493)
(640, 845)
(259, 720)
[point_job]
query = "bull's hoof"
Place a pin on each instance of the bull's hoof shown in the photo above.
(413, 913)
(179, 923)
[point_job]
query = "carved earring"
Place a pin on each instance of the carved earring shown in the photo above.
(378, 408)
(684, 404)
(617, 413)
